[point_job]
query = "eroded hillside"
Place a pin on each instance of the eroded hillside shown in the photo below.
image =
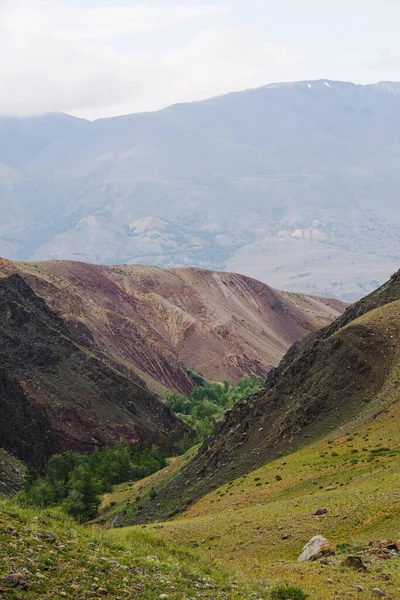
(55, 395)
(153, 324)
(347, 372)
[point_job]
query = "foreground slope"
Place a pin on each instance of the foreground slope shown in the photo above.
(54, 395)
(260, 522)
(57, 558)
(153, 324)
(345, 372)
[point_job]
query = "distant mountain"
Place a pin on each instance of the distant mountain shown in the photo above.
(295, 184)
(55, 395)
(344, 375)
(153, 324)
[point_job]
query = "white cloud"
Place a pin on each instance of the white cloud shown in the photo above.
(90, 62)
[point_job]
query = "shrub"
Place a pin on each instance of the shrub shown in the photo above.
(287, 592)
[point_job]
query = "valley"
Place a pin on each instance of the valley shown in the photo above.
(199, 300)
(314, 451)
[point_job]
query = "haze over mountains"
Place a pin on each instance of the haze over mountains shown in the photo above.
(294, 184)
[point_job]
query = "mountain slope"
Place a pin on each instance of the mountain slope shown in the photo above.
(276, 183)
(152, 324)
(346, 372)
(12, 473)
(54, 395)
(260, 522)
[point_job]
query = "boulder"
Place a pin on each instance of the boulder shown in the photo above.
(378, 593)
(354, 562)
(317, 547)
(321, 511)
(15, 580)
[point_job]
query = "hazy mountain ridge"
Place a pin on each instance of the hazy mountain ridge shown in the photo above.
(294, 184)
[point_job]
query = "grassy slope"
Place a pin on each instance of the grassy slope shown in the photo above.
(349, 375)
(12, 473)
(60, 559)
(259, 524)
(243, 523)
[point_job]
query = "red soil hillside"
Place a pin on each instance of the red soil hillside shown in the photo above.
(152, 324)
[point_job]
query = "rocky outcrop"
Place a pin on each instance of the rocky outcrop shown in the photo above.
(316, 548)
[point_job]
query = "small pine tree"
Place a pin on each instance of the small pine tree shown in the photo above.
(83, 499)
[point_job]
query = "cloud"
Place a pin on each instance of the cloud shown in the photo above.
(387, 61)
(118, 59)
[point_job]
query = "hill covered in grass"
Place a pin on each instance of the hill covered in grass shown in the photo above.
(343, 374)
(44, 554)
(259, 523)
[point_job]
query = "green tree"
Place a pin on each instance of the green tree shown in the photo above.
(83, 498)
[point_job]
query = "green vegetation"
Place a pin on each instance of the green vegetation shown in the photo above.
(288, 592)
(208, 402)
(260, 530)
(75, 481)
(58, 558)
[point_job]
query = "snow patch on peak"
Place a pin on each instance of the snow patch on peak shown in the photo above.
(309, 85)
(327, 84)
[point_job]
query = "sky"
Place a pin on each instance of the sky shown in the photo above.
(100, 58)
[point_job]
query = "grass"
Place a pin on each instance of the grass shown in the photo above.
(60, 559)
(126, 495)
(259, 523)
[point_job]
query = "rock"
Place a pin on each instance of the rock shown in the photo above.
(321, 511)
(330, 488)
(330, 581)
(49, 536)
(15, 580)
(354, 562)
(378, 592)
(316, 548)
(102, 591)
(383, 545)
(359, 588)
(162, 596)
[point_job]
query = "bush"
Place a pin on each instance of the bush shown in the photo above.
(287, 592)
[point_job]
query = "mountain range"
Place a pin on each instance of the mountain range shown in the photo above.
(156, 325)
(87, 351)
(295, 184)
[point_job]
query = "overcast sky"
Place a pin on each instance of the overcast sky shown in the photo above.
(97, 58)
